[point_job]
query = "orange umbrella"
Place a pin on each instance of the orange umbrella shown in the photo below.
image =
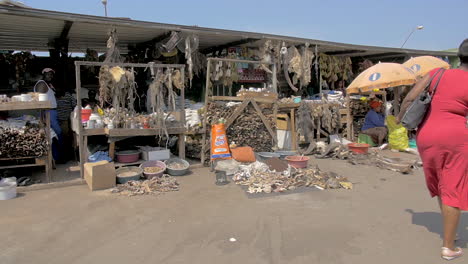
(381, 76)
(424, 64)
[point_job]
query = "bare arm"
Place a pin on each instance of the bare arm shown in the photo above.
(42, 88)
(412, 95)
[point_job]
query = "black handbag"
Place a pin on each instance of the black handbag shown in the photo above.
(416, 112)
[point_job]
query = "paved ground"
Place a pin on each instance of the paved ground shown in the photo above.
(387, 218)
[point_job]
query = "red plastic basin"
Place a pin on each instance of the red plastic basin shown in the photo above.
(359, 148)
(297, 162)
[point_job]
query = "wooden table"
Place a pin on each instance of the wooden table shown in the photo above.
(42, 106)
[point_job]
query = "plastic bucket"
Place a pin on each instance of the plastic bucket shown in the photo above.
(7, 190)
(85, 114)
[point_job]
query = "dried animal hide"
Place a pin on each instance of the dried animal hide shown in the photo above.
(106, 84)
(154, 185)
(260, 179)
(113, 52)
(191, 46)
(339, 151)
(295, 64)
(307, 60)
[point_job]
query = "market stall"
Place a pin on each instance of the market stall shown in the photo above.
(250, 115)
(26, 142)
(119, 119)
(371, 84)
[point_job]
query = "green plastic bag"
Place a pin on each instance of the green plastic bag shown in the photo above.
(397, 134)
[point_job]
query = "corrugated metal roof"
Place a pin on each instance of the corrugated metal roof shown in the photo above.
(34, 29)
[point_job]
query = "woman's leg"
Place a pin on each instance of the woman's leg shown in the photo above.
(451, 217)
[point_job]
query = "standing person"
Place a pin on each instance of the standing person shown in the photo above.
(45, 86)
(374, 123)
(65, 105)
(442, 140)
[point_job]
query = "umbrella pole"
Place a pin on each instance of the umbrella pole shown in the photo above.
(396, 100)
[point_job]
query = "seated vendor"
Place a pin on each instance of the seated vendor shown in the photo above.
(374, 124)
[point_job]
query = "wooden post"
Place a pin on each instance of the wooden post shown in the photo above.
(396, 100)
(349, 119)
(182, 117)
(48, 165)
(80, 131)
(275, 80)
(319, 124)
(205, 118)
(112, 150)
(275, 114)
(293, 130)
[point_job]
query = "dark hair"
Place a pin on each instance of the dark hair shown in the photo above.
(463, 51)
(464, 60)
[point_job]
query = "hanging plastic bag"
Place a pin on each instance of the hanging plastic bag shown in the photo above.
(219, 142)
(397, 134)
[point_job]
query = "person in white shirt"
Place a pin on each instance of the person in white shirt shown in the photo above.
(45, 86)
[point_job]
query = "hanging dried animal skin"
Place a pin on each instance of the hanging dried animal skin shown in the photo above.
(113, 52)
(177, 79)
(132, 91)
(295, 64)
(307, 59)
(117, 73)
(106, 84)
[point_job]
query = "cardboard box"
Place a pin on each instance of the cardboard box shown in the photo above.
(283, 122)
(156, 154)
(100, 175)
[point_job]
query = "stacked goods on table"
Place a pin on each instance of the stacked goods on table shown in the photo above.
(358, 107)
(218, 110)
(22, 139)
(249, 130)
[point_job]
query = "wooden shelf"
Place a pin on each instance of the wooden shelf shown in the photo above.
(123, 132)
(288, 106)
(12, 106)
(118, 164)
(38, 161)
(94, 132)
(240, 99)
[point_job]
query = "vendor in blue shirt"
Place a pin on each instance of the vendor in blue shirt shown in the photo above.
(374, 124)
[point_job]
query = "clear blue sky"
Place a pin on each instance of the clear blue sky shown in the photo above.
(367, 22)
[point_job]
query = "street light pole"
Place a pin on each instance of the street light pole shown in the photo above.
(412, 31)
(104, 2)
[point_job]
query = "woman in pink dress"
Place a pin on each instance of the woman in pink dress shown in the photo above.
(442, 141)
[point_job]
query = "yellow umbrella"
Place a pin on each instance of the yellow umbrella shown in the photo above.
(424, 64)
(381, 76)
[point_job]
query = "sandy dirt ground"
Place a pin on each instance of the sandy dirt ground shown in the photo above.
(387, 218)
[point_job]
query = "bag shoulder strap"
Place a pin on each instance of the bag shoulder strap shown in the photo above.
(441, 71)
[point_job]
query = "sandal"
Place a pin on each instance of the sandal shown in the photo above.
(449, 254)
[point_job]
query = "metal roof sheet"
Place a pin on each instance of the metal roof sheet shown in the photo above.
(34, 29)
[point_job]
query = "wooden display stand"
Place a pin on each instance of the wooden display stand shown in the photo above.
(246, 99)
(45, 118)
(120, 132)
